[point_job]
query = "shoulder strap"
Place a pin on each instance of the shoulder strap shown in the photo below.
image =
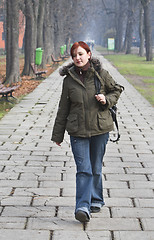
(113, 111)
(97, 84)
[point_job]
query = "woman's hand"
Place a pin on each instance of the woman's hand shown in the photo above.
(101, 98)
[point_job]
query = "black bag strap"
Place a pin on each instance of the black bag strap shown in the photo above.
(113, 110)
(97, 84)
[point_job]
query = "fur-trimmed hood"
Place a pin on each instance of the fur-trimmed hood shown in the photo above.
(94, 62)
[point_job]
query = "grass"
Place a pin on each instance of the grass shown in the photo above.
(132, 65)
(138, 71)
(5, 107)
(148, 94)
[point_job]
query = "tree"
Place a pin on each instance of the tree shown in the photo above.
(52, 23)
(40, 23)
(12, 35)
(119, 20)
(141, 31)
(47, 34)
(130, 21)
(31, 14)
(147, 27)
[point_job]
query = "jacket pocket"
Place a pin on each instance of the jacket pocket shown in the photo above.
(104, 120)
(72, 123)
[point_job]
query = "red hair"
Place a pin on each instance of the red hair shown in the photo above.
(79, 44)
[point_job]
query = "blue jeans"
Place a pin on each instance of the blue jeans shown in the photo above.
(88, 154)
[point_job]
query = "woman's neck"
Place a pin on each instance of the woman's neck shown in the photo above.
(81, 70)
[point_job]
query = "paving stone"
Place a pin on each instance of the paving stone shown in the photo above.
(148, 224)
(4, 157)
(63, 169)
(111, 159)
(28, 157)
(132, 193)
(29, 176)
(104, 213)
(105, 235)
(24, 234)
(145, 156)
(133, 235)
(16, 201)
(136, 212)
(151, 177)
(54, 192)
(12, 223)
(27, 211)
(57, 184)
(118, 202)
(144, 203)
(54, 223)
(142, 184)
(24, 169)
(73, 235)
(54, 176)
(69, 192)
(69, 176)
(5, 191)
(126, 177)
(113, 224)
(122, 164)
(54, 201)
(13, 163)
(114, 184)
(148, 164)
(140, 170)
(107, 170)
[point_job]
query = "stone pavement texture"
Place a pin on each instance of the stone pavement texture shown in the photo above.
(37, 178)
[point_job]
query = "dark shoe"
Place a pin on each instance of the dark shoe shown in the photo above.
(82, 216)
(94, 209)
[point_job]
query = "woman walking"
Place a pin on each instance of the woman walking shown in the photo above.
(86, 116)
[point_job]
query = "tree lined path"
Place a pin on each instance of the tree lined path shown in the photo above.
(50, 24)
(37, 186)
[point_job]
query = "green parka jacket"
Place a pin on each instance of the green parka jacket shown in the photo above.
(79, 112)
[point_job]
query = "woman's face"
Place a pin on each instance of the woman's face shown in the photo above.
(81, 57)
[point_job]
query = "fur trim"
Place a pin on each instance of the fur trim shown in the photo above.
(95, 62)
(64, 70)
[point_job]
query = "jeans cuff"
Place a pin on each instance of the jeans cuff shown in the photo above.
(84, 209)
(97, 205)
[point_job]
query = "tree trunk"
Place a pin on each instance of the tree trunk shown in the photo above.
(40, 22)
(129, 31)
(119, 26)
(12, 47)
(47, 34)
(141, 32)
(62, 20)
(147, 27)
(31, 14)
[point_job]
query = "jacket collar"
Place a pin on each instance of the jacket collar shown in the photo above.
(94, 62)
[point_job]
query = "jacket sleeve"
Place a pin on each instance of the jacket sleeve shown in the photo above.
(112, 89)
(62, 113)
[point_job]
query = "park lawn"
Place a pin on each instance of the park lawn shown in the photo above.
(137, 71)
